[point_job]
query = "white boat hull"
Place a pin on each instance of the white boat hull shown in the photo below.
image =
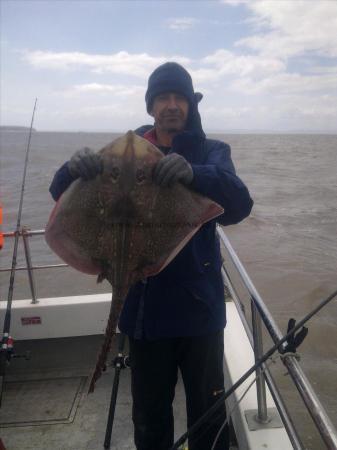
(58, 317)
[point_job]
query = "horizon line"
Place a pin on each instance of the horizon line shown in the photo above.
(210, 131)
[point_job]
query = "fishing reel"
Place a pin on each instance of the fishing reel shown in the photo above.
(121, 361)
(7, 349)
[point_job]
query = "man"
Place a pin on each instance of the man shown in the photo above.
(176, 318)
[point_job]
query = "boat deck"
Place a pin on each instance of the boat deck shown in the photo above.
(46, 406)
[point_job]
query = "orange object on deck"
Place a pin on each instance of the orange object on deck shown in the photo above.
(1, 234)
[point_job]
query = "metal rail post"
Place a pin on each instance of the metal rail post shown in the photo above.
(262, 411)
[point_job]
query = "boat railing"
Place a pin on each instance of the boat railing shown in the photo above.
(26, 233)
(259, 315)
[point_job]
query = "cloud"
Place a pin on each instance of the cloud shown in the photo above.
(226, 112)
(235, 2)
(122, 63)
(117, 94)
(323, 69)
(225, 62)
(292, 112)
(320, 101)
(99, 110)
(116, 89)
(310, 112)
(210, 68)
(290, 28)
(286, 83)
(181, 23)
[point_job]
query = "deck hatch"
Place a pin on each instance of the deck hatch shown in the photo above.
(40, 401)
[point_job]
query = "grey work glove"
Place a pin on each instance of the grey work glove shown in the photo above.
(85, 163)
(172, 168)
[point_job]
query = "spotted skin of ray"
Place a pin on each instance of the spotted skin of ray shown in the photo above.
(122, 226)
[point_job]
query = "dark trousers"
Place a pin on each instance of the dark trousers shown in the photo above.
(154, 369)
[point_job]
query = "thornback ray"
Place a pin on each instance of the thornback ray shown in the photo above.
(122, 226)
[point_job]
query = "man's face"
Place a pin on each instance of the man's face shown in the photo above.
(170, 111)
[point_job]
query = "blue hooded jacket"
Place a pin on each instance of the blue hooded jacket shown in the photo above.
(187, 297)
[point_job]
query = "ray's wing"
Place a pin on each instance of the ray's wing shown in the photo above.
(74, 230)
(171, 218)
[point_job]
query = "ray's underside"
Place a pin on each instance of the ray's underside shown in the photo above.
(123, 227)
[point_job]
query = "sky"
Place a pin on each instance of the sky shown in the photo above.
(264, 65)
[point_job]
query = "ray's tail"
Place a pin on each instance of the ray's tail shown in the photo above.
(110, 331)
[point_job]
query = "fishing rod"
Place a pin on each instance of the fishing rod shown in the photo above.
(293, 342)
(6, 350)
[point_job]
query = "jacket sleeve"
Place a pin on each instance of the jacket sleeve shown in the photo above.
(61, 181)
(216, 179)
